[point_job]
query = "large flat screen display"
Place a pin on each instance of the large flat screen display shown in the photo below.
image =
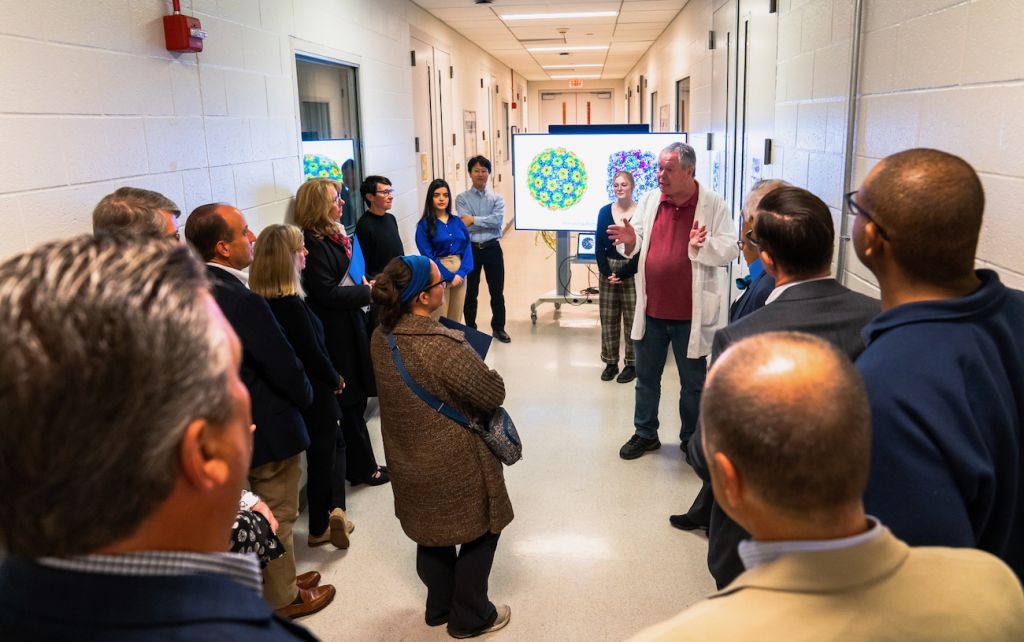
(562, 180)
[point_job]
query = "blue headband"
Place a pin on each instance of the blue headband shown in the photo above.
(420, 266)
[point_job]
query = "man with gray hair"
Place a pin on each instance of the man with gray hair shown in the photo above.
(686, 237)
(134, 210)
(121, 483)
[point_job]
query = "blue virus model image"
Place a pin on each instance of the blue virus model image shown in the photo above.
(643, 165)
(557, 178)
(317, 166)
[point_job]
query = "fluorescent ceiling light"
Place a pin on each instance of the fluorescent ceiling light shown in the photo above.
(556, 16)
(570, 48)
(571, 66)
(575, 76)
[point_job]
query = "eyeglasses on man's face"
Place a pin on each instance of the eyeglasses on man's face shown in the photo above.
(385, 192)
(860, 211)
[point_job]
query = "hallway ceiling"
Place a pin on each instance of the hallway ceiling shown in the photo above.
(617, 41)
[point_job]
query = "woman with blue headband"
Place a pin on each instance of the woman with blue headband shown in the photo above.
(449, 488)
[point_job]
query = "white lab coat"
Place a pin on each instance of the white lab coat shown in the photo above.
(710, 276)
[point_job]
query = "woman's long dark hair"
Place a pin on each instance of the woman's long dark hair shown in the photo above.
(428, 208)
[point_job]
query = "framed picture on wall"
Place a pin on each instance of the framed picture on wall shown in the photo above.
(469, 130)
(663, 119)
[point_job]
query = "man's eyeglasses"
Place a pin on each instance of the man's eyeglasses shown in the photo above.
(860, 211)
(385, 192)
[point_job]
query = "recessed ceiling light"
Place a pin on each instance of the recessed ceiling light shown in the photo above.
(570, 48)
(557, 16)
(575, 76)
(570, 66)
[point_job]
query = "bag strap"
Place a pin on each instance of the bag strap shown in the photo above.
(428, 398)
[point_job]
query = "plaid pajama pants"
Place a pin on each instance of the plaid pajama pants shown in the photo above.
(617, 303)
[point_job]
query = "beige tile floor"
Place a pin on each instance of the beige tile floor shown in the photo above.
(590, 555)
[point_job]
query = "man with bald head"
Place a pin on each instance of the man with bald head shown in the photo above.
(944, 364)
(787, 430)
(279, 389)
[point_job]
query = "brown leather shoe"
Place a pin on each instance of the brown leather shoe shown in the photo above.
(308, 602)
(340, 528)
(308, 580)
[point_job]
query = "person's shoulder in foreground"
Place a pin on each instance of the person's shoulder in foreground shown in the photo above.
(885, 590)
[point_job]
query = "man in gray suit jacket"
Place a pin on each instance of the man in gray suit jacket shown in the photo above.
(795, 235)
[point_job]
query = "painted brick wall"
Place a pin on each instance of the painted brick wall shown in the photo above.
(90, 100)
(949, 74)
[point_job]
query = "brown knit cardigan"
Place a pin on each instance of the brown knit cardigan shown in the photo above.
(449, 488)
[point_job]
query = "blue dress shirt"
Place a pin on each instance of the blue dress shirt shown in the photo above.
(488, 210)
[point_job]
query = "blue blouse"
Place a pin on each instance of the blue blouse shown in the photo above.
(449, 238)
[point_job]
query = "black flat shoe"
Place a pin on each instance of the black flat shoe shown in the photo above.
(609, 372)
(379, 478)
(628, 374)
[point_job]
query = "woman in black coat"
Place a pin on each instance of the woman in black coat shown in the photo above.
(340, 299)
(279, 258)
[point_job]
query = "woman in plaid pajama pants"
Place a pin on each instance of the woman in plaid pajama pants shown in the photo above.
(617, 293)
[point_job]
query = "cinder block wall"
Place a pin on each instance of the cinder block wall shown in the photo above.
(90, 100)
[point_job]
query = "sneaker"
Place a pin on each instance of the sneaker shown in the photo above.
(504, 615)
(609, 372)
(628, 374)
(637, 446)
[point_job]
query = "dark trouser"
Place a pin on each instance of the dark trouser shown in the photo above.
(457, 583)
(651, 353)
(487, 257)
(325, 454)
(700, 511)
(354, 448)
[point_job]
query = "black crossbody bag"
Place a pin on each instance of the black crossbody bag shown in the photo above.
(499, 434)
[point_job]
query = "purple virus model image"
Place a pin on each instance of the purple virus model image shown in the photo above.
(643, 165)
(557, 178)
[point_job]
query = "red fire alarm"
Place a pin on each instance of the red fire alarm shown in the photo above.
(183, 33)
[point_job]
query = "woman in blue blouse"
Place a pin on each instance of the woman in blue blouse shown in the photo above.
(444, 239)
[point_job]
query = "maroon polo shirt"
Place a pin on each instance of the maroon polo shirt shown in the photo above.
(668, 270)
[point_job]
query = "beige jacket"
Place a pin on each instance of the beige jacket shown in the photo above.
(879, 590)
(449, 488)
(710, 276)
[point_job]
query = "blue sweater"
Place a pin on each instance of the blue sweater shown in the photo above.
(946, 385)
(449, 238)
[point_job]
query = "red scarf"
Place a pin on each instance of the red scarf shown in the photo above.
(345, 242)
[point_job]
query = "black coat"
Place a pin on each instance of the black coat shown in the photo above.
(340, 309)
(275, 377)
(306, 334)
(825, 309)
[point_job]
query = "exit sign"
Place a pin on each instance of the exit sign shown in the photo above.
(575, 82)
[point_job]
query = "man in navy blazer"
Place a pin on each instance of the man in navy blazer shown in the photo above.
(796, 236)
(278, 386)
(122, 471)
(756, 287)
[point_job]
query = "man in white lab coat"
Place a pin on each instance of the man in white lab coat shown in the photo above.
(686, 237)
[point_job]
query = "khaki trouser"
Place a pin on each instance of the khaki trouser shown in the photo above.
(277, 483)
(454, 297)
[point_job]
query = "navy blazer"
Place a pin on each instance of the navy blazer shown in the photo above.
(753, 297)
(275, 377)
(41, 603)
(824, 308)
(340, 308)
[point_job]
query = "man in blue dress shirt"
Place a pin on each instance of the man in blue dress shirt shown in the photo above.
(483, 212)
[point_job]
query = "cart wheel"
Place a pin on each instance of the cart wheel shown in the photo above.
(533, 317)
(558, 306)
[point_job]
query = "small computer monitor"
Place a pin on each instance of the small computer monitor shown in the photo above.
(585, 244)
